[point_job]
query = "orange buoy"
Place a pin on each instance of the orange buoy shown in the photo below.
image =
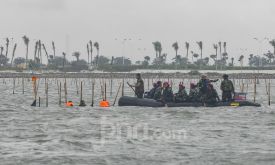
(69, 104)
(104, 104)
(34, 78)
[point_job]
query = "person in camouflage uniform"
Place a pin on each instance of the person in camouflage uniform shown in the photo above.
(139, 86)
(182, 95)
(203, 86)
(158, 91)
(227, 88)
(194, 93)
(212, 96)
(167, 94)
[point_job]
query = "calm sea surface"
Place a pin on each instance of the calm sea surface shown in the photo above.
(130, 135)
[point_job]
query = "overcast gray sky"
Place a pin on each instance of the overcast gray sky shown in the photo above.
(143, 21)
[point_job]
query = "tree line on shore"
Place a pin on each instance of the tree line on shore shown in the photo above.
(42, 59)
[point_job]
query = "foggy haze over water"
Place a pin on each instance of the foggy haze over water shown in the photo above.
(72, 23)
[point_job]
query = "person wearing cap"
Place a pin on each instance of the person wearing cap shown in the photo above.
(151, 93)
(167, 94)
(194, 93)
(227, 88)
(139, 86)
(212, 96)
(182, 95)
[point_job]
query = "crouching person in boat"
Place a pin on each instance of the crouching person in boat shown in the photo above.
(194, 93)
(151, 93)
(139, 86)
(182, 95)
(164, 94)
(203, 86)
(212, 96)
(227, 88)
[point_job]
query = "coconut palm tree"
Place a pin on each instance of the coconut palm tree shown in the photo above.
(232, 61)
(46, 52)
(195, 55)
(13, 53)
(88, 51)
(200, 44)
(96, 45)
(156, 48)
(241, 60)
(26, 41)
(53, 46)
(272, 43)
(220, 46)
(64, 59)
(91, 50)
(224, 47)
(76, 55)
(1, 50)
(187, 49)
(176, 47)
(7, 46)
(214, 58)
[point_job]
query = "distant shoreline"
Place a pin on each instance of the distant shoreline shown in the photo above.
(121, 75)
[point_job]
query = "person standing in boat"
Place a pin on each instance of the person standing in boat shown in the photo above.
(139, 86)
(227, 88)
(182, 95)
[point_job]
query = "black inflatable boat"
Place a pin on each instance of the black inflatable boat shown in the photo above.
(133, 101)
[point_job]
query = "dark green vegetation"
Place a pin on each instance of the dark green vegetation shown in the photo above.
(44, 59)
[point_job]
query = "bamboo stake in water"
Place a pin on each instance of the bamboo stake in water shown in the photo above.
(13, 86)
(23, 84)
(117, 94)
(60, 86)
(269, 102)
(255, 90)
(47, 94)
(122, 90)
(65, 91)
(81, 90)
(93, 93)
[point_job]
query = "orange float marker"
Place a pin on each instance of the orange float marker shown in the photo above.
(69, 104)
(104, 104)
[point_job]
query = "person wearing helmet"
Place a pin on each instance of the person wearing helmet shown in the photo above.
(167, 94)
(151, 93)
(212, 96)
(139, 86)
(158, 91)
(194, 93)
(182, 95)
(227, 88)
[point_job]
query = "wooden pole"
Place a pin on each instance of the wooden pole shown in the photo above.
(117, 94)
(23, 85)
(13, 86)
(255, 90)
(60, 86)
(105, 91)
(122, 90)
(65, 91)
(269, 102)
(93, 93)
(47, 94)
(81, 90)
